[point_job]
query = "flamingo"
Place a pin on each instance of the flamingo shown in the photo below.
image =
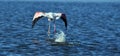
(51, 17)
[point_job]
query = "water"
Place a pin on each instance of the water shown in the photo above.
(60, 36)
(96, 26)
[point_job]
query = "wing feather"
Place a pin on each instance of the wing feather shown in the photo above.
(63, 17)
(36, 17)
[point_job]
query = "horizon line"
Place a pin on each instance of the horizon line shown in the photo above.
(60, 1)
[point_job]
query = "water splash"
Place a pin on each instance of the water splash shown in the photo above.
(60, 36)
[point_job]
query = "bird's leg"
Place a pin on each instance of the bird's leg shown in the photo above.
(49, 30)
(54, 27)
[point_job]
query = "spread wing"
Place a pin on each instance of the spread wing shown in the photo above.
(36, 17)
(63, 17)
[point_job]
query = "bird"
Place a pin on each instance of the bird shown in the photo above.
(51, 17)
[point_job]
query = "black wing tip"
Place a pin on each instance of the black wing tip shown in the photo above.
(34, 21)
(63, 17)
(66, 27)
(32, 26)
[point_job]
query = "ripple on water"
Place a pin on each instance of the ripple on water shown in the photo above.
(95, 26)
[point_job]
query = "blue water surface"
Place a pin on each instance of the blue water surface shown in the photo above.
(96, 26)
